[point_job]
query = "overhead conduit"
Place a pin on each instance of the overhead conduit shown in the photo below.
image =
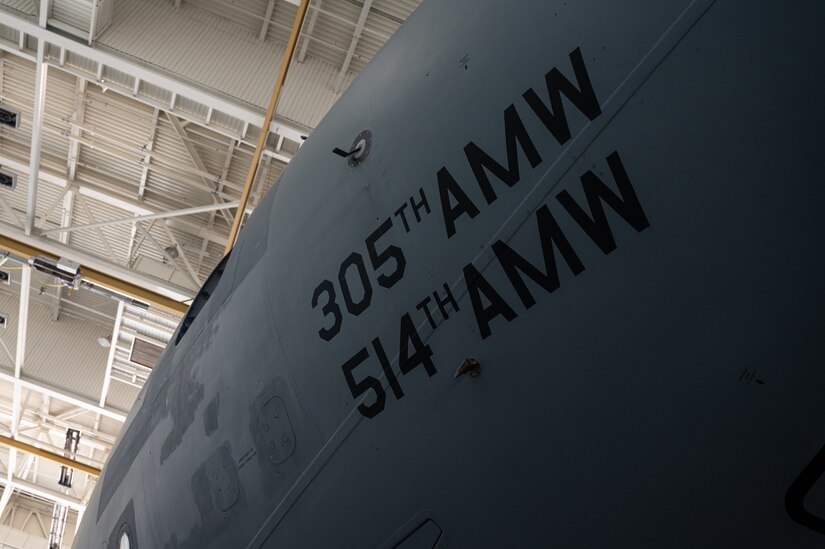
(97, 277)
(270, 112)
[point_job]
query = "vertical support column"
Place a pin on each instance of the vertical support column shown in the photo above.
(147, 158)
(198, 163)
(9, 487)
(65, 221)
(267, 17)
(93, 22)
(356, 36)
(107, 377)
(37, 120)
(76, 132)
(310, 29)
(20, 355)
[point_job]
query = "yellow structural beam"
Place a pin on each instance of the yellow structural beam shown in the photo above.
(96, 277)
(51, 456)
(270, 112)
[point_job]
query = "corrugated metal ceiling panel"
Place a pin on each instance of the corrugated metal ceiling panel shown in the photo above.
(17, 91)
(122, 396)
(63, 353)
(22, 7)
(195, 44)
(309, 91)
(246, 14)
(75, 13)
(115, 237)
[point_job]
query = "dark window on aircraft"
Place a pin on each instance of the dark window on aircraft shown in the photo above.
(203, 296)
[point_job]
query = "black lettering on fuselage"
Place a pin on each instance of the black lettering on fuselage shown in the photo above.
(421, 353)
(516, 136)
(481, 162)
(448, 187)
(583, 97)
(595, 191)
(514, 265)
(477, 286)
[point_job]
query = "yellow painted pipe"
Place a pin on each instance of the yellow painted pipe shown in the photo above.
(90, 275)
(51, 456)
(270, 112)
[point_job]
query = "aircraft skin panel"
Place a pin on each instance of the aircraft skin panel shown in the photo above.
(643, 297)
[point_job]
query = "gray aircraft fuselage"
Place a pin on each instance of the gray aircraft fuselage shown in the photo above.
(613, 207)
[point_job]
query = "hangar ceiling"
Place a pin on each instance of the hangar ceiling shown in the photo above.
(140, 120)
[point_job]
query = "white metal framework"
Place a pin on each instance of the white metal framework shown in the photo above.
(138, 122)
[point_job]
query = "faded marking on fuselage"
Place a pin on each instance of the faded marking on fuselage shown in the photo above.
(212, 520)
(210, 416)
(533, 199)
(182, 399)
(163, 397)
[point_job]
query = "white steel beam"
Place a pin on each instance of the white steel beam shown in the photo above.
(68, 213)
(43, 12)
(93, 192)
(66, 220)
(41, 71)
(69, 414)
(37, 127)
(383, 36)
(182, 255)
(100, 235)
(133, 245)
(267, 17)
(176, 87)
(163, 287)
(134, 219)
(309, 30)
(22, 324)
(93, 22)
(27, 464)
(66, 396)
(356, 35)
(59, 198)
(58, 295)
(20, 355)
(77, 129)
(196, 160)
(43, 492)
(137, 242)
(168, 256)
(18, 51)
(144, 176)
(8, 487)
(107, 376)
(224, 174)
(12, 213)
(52, 425)
(84, 189)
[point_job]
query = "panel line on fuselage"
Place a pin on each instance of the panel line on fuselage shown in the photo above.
(566, 159)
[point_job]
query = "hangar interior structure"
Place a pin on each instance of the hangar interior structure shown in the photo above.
(127, 132)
